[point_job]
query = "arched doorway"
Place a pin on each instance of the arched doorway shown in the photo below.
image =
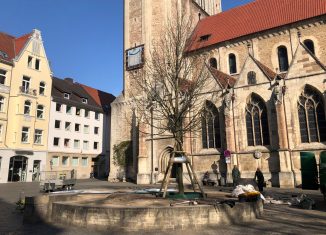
(17, 169)
(164, 161)
(309, 172)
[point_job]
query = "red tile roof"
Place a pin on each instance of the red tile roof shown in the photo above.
(257, 16)
(102, 98)
(222, 78)
(271, 75)
(11, 45)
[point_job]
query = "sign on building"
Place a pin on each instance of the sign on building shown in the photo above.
(135, 58)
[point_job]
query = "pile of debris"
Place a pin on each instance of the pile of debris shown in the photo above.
(302, 201)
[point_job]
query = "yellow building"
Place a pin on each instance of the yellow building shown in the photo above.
(25, 96)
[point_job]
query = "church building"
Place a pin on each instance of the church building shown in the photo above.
(268, 60)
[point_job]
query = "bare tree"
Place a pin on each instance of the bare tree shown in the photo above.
(172, 83)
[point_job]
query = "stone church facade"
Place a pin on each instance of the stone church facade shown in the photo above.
(268, 61)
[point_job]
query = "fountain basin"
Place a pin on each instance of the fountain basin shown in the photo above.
(134, 212)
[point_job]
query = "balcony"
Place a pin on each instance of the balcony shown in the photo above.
(4, 89)
(27, 91)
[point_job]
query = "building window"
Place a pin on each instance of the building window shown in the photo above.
(37, 64)
(66, 96)
(25, 134)
(257, 122)
(76, 144)
(58, 107)
(3, 76)
(77, 111)
(95, 145)
(57, 124)
(68, 109)
(66, 143)
(84, 100)
(56, 141)
(85, 145)
(211, 137)
(38, 136)
(97, 115)
(25, 84)
(55, 161)
(86, 113)
(251, 77)
(30, 62)
(232, 63)
(96, 130)
(27, 107)
(310, 45)
(42, 88)
(311, 116)
(74, 161)
(65, 161)
(2, 103)
(77, 127)
(84, 161)
(67, 126)
(40, 112)
(86, 129)
(213, 63)
(283, 60)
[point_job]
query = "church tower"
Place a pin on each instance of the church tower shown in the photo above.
(143, 21)
(143, 24)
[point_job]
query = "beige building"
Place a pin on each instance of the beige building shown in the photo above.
(267, 59)
(25, 94)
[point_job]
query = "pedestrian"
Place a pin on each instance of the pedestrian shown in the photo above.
(260, 179)
(236, 175)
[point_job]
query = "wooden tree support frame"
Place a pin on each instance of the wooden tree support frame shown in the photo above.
(167, 176)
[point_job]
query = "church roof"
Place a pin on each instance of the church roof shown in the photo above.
(254, 17)
(11, 46)
(271, 75)
(223, 79)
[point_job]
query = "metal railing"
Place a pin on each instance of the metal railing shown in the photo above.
(28, 91)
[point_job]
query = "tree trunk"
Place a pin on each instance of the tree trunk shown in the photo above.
(179, 149)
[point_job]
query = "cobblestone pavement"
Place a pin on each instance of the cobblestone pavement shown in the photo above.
(277, 219)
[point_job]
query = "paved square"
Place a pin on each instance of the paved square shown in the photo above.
(277, 219)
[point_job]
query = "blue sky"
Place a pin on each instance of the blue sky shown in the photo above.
(83, 38)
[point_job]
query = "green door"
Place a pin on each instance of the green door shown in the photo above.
(309, 171)
(322, 172)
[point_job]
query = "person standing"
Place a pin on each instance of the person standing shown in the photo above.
(260, 179)
(236, 175)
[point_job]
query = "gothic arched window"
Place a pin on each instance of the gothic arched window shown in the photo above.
(257, 122)
(311, 116)
(232, 63)
(310, 45)
(213, 63)
(251, 77)
(211, 137)
(283, 60)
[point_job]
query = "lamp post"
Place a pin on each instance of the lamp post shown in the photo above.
(152, 145)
